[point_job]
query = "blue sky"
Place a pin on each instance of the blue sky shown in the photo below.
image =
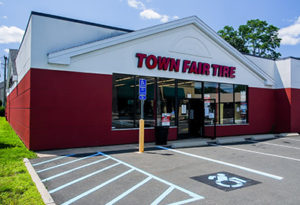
(137, 14)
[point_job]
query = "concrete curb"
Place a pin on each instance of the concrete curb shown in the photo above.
(189, 144)
(230, 140)
(263, 137)
(289, 134)
(39, 185)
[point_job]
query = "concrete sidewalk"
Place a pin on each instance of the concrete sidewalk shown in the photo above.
(192, 142)
(196, 142)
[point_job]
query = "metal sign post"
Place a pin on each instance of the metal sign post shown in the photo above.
(142, 97)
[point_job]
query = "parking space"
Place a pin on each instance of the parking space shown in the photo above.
(248, 173)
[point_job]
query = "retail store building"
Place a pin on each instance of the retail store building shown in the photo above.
(78, 82)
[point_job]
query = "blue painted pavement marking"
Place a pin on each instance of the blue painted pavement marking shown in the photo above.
(76, 160)
(71, 170)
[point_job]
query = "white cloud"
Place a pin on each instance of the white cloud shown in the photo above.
(6, 50)
(164, 18)
(1, 3)
(136, 4)
(149, 13)
(290, 35)
(5, 17)
(10, 34)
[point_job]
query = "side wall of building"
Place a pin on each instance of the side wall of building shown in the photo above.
(70, 109)
(18, 109)
(295, 110)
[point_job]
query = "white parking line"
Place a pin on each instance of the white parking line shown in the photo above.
(184, 201)
(162, 196)
(262, 153)
(97, 187)
(82, 178)
(71, 170)
(290, 147)
(128, 191)
(285, 138)
(76, 160)
(225, 163)
(51, 160)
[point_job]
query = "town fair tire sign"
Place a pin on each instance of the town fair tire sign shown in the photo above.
(184, 66)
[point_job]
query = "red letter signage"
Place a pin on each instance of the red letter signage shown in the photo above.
(187, 66)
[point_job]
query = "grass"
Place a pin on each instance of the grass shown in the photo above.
(16, 186)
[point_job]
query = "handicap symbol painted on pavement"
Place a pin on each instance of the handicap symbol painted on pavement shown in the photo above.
(225, 181)
(229, 182)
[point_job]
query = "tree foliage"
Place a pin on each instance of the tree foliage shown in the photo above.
(256, 37)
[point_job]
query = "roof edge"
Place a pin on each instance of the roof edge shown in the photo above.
(289, 57)
(79, 21)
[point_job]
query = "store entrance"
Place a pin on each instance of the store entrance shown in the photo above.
(190, 118)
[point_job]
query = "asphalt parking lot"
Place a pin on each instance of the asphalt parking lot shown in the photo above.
(255, 172)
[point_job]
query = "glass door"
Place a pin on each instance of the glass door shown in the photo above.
(183, 118)
(196, 117)
(190, 118)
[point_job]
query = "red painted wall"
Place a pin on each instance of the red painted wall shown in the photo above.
(261, 115)
(295, 110)
(283, 99)
(287, 110)
(18, 109)
(70, 109)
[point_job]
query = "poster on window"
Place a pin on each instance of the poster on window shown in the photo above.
(243, 96)
(166, 119)
(206, 96)
(206, 108)
(243, 108)
(183, 109)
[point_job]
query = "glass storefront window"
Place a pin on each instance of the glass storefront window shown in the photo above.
(223, 103)
(226, 104)
(123, 102)
(211, 100)
(166, 99)
(241, 107)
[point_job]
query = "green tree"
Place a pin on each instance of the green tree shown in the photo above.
(256, 37)
(231, 36)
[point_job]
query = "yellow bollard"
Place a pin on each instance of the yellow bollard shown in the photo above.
(141, 136)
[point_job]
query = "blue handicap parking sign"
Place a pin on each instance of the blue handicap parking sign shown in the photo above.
(143, 89)
(142, 97)
(143, 83)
